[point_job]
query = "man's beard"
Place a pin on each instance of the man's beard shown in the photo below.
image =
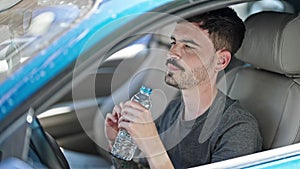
(170, 80)
(186, 79)
(181, 80)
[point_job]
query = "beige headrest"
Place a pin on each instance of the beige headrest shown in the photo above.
(272, 42)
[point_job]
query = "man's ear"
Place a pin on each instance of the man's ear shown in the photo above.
(224, 57)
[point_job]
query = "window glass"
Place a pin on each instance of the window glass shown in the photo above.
(29, 26)
(246, 9)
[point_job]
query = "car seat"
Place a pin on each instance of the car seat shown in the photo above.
(268, 85)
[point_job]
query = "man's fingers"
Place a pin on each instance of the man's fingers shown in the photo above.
(124, 125)
(117, 110)
(132, 111)
(111, 117)
(126, 119)
(134, 105)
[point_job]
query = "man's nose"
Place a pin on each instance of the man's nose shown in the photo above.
(174, 52)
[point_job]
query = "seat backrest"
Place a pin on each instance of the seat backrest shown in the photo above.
(269, 84)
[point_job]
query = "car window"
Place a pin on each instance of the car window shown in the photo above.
(246, 9)
(105, 80)
(132, 49)
(29, 26)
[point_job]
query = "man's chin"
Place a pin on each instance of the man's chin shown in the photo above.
(173, 85)
(169, 80)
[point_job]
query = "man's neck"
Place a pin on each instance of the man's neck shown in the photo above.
(197, 100)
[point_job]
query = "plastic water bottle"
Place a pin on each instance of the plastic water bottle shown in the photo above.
(124, 146)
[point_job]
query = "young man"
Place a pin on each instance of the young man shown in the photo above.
(203, 125)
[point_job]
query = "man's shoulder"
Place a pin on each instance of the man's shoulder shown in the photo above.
(236, 114)
(236, 120)
(237, 131)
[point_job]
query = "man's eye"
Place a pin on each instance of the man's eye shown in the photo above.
(172, 43)
(188, 46)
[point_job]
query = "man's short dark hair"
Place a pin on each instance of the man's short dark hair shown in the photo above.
(225, 28)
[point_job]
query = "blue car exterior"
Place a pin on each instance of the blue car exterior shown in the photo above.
(52, 60)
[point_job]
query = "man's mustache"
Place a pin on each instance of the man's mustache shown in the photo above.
(174, 62)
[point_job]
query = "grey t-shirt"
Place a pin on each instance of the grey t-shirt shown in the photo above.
(224, 131)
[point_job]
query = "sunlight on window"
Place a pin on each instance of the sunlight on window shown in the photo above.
(55, 111)
(128, 52)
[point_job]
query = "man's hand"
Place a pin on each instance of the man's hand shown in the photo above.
(111, 124)
(139, 123)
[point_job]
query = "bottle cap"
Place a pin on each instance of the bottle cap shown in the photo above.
(146, 90)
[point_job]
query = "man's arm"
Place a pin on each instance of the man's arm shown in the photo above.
(139, 123)
(159, 161)
(122, 164)
(158, 158)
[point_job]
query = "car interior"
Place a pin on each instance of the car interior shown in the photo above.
(263, 76)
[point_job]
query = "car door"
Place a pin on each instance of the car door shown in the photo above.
(65, 126)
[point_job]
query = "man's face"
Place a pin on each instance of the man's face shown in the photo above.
(191, 59)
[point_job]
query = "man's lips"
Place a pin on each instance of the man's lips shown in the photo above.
(173, 65)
